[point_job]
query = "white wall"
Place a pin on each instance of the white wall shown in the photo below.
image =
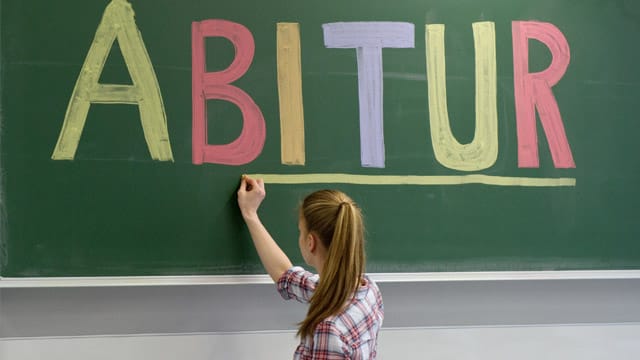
(523, 319)
(587, 342)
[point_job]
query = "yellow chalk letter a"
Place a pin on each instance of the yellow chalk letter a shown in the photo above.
(117, 23)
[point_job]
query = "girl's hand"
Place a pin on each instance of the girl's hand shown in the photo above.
(250, 196)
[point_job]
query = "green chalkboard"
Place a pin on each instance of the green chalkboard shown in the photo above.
(557, 193)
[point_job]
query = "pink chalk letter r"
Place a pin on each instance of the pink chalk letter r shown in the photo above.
(533, 91)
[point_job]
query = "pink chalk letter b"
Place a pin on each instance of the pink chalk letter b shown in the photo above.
(533, 91)
(216, 85)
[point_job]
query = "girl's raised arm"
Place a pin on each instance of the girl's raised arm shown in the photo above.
(250, 196)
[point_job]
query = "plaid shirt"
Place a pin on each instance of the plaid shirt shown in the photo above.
(351, 334)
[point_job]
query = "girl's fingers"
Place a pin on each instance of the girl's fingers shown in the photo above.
(251, 183)
(243, 185)
(248, 184)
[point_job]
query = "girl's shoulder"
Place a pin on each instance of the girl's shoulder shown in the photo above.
(368, 288)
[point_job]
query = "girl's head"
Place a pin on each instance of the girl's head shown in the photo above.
(332, 240)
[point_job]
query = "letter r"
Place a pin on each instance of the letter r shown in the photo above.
(533, 91)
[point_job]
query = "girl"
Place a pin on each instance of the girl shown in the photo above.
(345, 306)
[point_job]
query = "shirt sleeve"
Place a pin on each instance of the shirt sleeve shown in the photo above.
(328, 344)
(297, 283)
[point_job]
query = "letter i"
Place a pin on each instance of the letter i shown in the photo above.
(290, 94)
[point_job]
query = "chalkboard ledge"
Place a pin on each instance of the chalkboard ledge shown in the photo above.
(124, 281)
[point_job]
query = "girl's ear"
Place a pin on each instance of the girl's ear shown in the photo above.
(312, 241)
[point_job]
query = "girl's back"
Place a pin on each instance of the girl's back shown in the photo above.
(350, 334)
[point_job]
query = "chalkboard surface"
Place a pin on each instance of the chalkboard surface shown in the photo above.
(477, 135)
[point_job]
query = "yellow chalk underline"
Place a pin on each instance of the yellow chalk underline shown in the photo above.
(412, 180)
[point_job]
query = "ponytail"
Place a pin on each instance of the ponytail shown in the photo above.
(337, 221)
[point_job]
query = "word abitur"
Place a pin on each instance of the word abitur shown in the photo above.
(533, 91)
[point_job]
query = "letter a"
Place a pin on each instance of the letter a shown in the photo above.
(117, 23)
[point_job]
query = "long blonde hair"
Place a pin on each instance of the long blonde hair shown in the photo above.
(337, 221)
